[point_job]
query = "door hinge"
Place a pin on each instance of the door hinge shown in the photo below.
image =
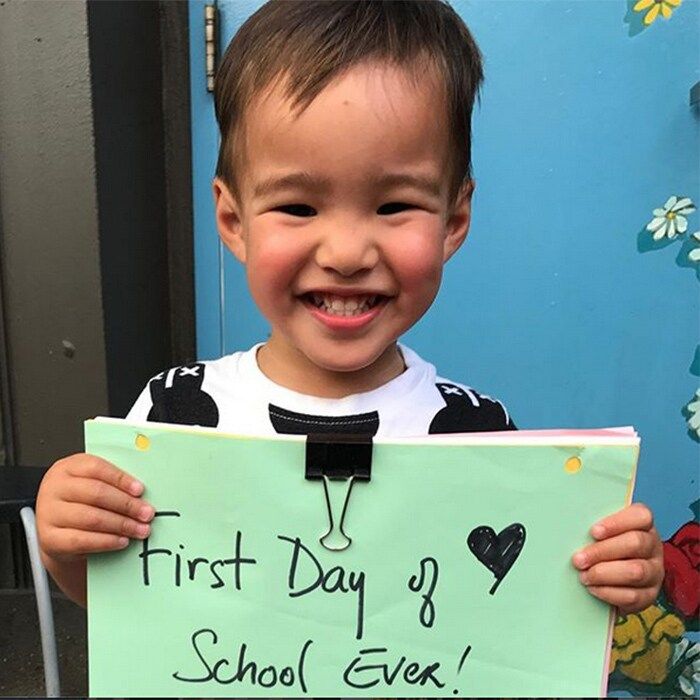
(211, 43)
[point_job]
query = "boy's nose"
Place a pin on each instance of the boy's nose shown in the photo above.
(347, 251)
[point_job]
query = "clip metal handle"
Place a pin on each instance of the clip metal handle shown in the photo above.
(336, 539)
(332, 458)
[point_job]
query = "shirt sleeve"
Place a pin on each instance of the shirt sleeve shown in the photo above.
(138, 413)
(500, 417)
(467, 411)
(493, 415)
(176, 396)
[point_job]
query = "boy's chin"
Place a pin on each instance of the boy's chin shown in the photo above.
(317, 365)
(348, 362)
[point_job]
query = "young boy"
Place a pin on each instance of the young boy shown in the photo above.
(343, 185)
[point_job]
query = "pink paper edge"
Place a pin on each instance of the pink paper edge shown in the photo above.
(563, 431)
(613, 613)
(608, 649)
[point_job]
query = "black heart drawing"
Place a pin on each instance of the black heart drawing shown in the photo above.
(497, 552)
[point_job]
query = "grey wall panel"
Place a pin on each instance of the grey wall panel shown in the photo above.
(49, 223)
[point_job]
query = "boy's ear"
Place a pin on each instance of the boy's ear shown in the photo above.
(459, 220)
(228, 219)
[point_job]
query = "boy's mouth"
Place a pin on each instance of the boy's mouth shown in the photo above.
(336, 305)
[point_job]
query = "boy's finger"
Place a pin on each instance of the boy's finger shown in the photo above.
(96, 468)
(69, 542)
(633, 573)
(634, 517)
(103, 495)
(626, 599)
(635, 544)
(91, 519)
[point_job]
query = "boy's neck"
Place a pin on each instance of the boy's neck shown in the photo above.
(299, 374)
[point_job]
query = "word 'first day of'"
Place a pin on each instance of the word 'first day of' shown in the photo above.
(305, 573)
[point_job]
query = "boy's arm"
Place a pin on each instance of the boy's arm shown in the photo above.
(86, 505)
(71, 577)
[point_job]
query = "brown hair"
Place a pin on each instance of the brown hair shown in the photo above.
(306, 44)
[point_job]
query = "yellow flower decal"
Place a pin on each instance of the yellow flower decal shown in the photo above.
(665, 7)
(643, 644)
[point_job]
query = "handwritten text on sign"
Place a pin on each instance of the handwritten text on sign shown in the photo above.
(306, 575)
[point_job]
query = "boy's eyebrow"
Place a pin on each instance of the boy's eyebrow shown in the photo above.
(426, 183)
(300, 180)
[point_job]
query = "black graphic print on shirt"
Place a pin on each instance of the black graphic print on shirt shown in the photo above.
(468, 413)
(178, 397)
(291, 423)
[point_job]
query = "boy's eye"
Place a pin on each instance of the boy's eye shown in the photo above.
(296, 210)
(394, 208)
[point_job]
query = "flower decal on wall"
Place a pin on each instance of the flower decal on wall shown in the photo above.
(682, 573)
(694, 254)
(694, 414)
(651, 657)
(643, 644)
(653, 8)
(669, 221)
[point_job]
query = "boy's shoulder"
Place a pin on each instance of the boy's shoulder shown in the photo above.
(452, 406)
(468, 411)
(183, 394)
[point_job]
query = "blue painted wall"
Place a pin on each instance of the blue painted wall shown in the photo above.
(555, 304)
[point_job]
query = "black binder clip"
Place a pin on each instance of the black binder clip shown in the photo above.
(334, 457)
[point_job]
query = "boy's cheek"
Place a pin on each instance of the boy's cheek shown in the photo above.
(269, 287)
(272, 264)
(420, 276)
(416, 258)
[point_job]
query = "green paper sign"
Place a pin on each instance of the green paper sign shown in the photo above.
(457, 580)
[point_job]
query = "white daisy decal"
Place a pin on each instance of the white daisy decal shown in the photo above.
(694, 409)
(670, 220)
(694, 255)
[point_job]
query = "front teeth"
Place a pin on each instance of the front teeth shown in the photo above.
(343, 306)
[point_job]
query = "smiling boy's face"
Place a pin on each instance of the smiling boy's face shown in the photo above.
(343, 221)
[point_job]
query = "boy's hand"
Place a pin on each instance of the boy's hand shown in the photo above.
(88, 505)
(625, 567)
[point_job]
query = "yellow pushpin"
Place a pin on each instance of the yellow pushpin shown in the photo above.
(573, 465)
(142, 442)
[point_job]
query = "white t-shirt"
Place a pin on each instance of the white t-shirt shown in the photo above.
(233, 395)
